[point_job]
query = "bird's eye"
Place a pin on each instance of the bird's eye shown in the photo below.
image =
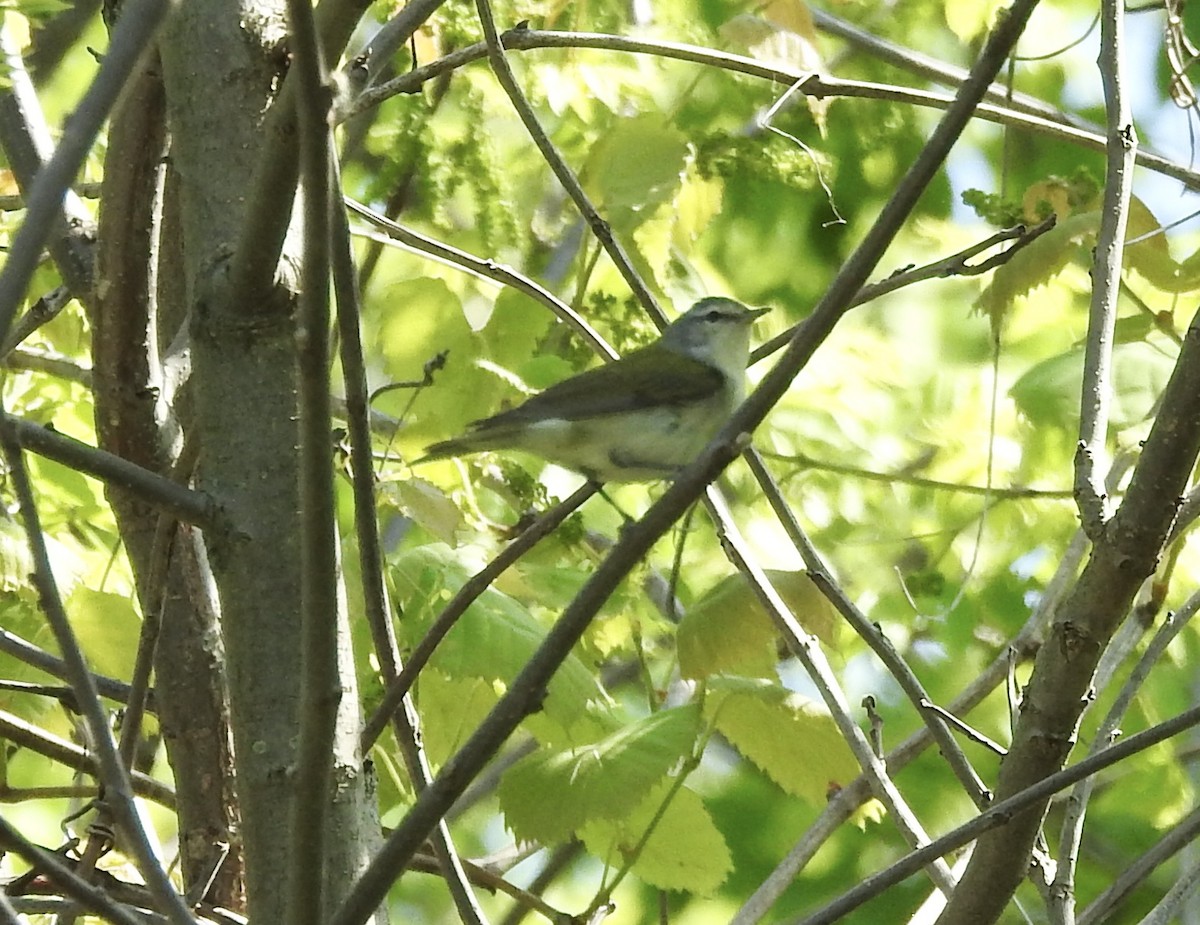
(713, 316)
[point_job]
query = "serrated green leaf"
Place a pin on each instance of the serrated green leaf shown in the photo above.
(1151, 255)
(1036, 264)
(686, 850)
(791, 738)
(492, 640)
(548, 797)
(728, 631)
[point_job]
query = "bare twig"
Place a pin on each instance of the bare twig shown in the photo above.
(52, 364)
(133, 33)
(805, 463)
(308, 887)
(821, 87)
(188, 505)
(22, 733)
(27, 652)
(406, 721)
(39, 313)
(970, 732)
(1096, 395)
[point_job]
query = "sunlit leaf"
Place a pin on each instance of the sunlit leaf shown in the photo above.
(636, 168)
(550, 796)
(1049, 393)
(685, 850)
(494, 637)
(727, 629)
(792, 739)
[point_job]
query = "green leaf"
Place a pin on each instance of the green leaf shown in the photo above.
(492, 640)
(16, 565)
(108, 628)
(1036, 264)
(427, 504)
(482, 348)
(548, 797)
(635, 168)
(1048, 393)
(451, 709)
(686, 850)
(791, 738)
(728, 631)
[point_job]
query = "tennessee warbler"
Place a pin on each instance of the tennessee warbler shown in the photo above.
(639, 418)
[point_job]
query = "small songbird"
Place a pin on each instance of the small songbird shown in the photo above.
(640, 418)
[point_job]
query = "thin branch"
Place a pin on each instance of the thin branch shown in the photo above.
(486, 268)
(133, 33)
(1096, 394)
(999, 815)
(370, 552)
(27, 652)
(818, 86)
(26, 735)
(188, 505)
(41, 312)
(570, 183)
(803, 462)
(308, 887)
(51, 364)
(936, 70)
(118, 791)
(397, 31)
(481, 875)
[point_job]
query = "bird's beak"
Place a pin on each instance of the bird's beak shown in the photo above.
(756, 313)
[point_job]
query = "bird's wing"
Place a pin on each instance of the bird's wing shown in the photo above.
(633, 382)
